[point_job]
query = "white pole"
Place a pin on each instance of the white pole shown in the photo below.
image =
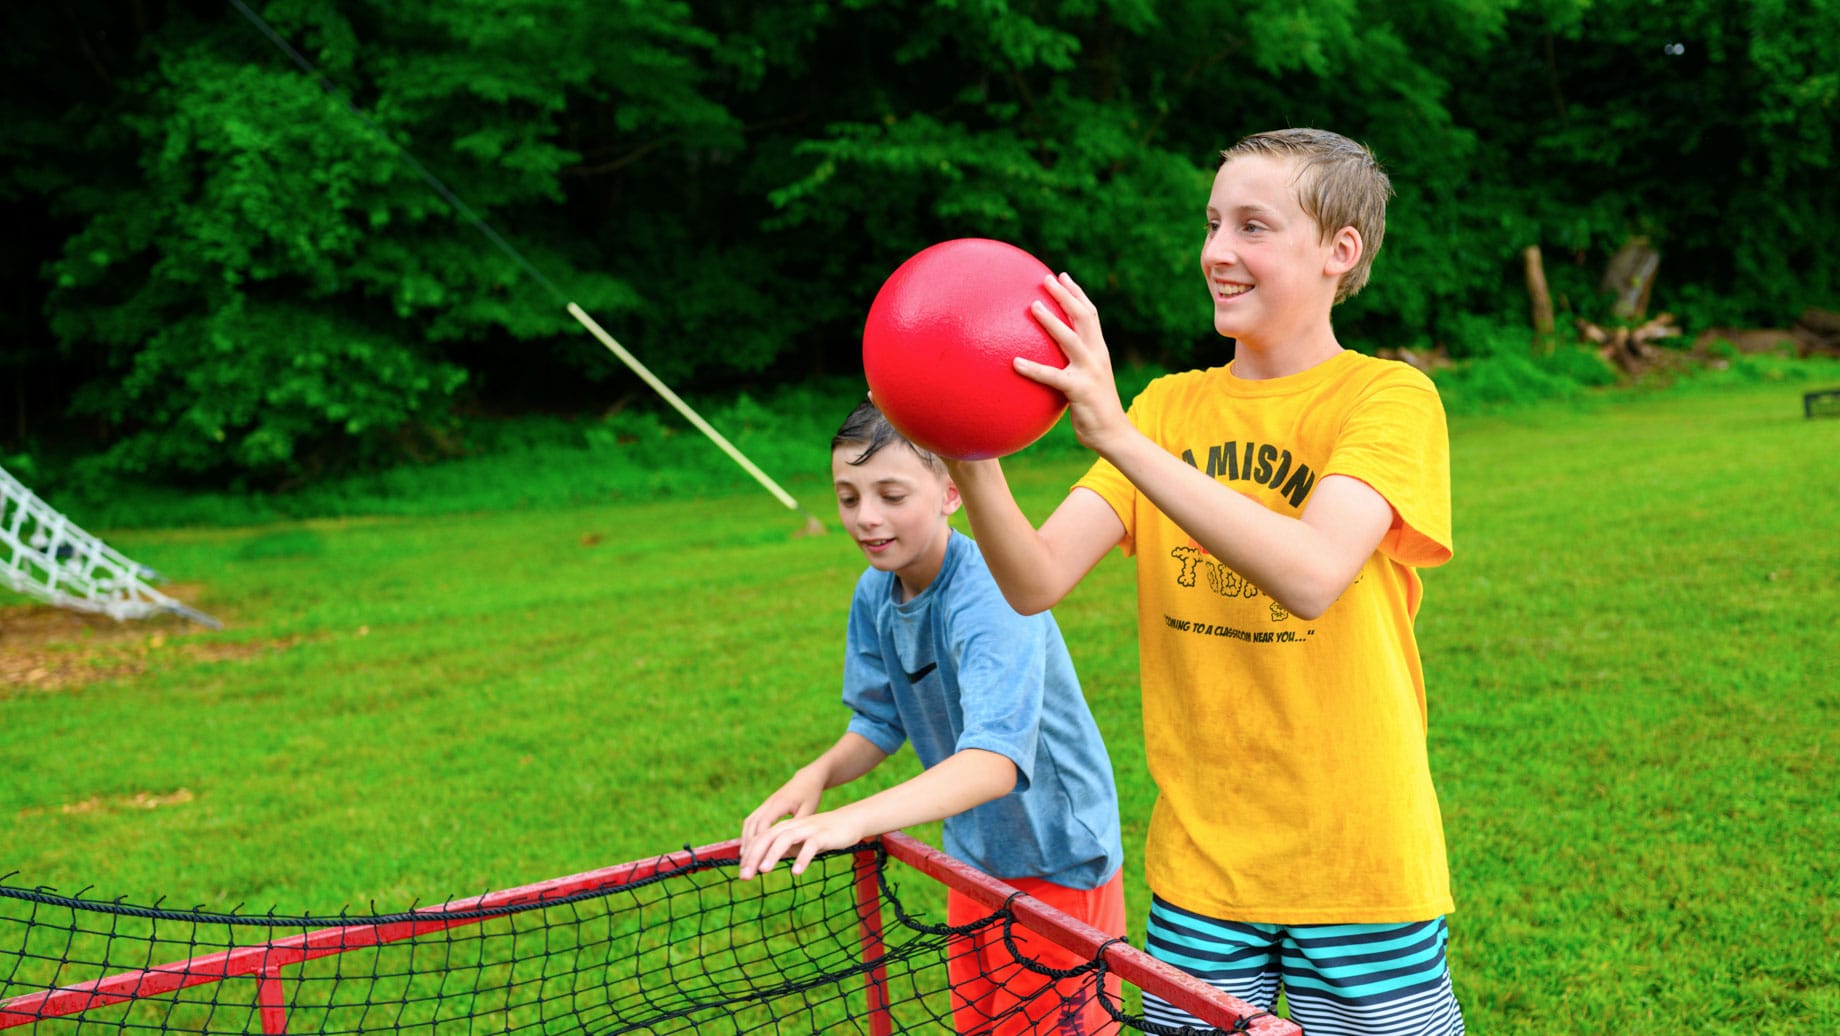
(682, 407)
(812, 524)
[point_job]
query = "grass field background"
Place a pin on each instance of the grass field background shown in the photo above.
(1632, 669)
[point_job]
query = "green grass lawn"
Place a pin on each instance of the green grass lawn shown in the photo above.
(1633, 666)
(1634, 703)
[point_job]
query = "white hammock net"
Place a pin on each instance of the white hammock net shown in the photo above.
(44, 555)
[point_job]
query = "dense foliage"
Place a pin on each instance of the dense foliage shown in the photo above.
(224, 267)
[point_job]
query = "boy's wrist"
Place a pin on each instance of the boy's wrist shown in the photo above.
(1113, 438)
(963, 471)
(817, 771)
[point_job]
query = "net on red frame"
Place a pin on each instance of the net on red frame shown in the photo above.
(674, 945)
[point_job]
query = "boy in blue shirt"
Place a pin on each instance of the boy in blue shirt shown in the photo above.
(1014, 763)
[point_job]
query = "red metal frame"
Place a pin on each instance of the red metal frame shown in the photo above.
(266, 961)
(869, 914)
(1127, 962)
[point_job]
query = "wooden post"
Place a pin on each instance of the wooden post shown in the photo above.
(1539, 295)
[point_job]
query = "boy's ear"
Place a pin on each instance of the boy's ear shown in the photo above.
(952, 501)
(1345, 250)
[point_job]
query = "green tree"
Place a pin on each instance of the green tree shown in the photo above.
(246, 277)
(277, 286)
(1083, 131)
(1706, 126)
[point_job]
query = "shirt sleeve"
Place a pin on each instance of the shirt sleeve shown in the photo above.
(865, 676)
(1000, 658)
(1396, 440)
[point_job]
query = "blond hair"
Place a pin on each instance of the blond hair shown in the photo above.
(1339, 184)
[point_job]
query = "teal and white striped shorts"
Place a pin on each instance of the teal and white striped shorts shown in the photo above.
(1366, 979)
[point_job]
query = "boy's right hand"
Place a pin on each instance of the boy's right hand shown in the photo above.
(1093, 406)
(796, 798)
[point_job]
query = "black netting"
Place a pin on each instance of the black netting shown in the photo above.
(688, 949)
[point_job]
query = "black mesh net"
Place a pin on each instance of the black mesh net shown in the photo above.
(682, 946)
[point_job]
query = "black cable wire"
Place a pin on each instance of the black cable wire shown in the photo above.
(466, 212)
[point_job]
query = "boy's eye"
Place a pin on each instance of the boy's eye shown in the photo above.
(1213, 225)
(893, 498)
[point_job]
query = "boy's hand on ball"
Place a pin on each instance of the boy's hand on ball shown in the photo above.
(939, 347)
(1086, 381)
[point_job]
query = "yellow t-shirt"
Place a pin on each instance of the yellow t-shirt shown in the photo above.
(1289, 755)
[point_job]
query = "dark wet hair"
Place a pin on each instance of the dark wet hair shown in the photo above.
(868, 428)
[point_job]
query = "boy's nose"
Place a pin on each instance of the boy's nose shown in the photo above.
(1216, 252)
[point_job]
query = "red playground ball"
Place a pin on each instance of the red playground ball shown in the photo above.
(938, 344)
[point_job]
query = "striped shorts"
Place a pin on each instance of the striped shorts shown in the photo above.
(1366, 979)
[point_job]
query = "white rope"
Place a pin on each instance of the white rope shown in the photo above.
(44, 555)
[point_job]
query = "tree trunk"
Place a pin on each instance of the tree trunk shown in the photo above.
(1631, 276)
(1538, 293)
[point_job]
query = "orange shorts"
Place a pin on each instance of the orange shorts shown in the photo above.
(993, 995)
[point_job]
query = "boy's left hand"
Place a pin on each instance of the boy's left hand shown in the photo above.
(812, 835)
(1092, 394)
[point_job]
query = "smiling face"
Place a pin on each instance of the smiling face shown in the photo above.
(1269, 271)
(896, 506)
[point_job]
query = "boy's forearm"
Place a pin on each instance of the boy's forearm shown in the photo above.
(962, 781)
(1303, 563)
(1015, 552)
(852, 756)
(1035, 568)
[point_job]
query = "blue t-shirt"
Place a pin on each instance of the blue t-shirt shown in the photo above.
(958, 668)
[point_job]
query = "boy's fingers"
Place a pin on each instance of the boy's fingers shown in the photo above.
(781, 848)
(755, 841)
(1063, 289)
(805, 856)
(762, 860)
(1072, 299)
(1070, 341)
(1045, 316)
(1066, 337)
(753, 826)
(1074, 289)
(1049, 376)
(778, 843)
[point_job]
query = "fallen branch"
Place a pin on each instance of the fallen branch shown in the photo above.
(1749, 341)
(1631, 349)
(1426, 360)
(1817, 332)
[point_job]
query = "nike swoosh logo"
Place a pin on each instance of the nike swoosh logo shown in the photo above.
(916, 677)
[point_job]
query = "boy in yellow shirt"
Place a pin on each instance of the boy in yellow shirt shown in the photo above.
(1279, 507)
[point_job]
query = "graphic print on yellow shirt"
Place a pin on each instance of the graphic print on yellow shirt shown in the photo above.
(1289, 754)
